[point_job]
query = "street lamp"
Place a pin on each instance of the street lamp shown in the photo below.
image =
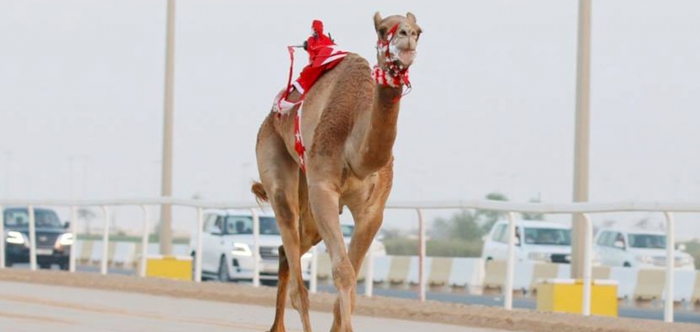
(166, 188)
(581, 146)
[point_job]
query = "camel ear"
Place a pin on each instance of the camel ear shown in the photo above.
(377, 21)
(411, 18)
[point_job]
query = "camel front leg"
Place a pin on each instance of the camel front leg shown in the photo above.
(368, 221)
(323, 199)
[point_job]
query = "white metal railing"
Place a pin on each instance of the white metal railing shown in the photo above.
(668, 208)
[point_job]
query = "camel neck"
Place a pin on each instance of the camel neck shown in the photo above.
(377, 145)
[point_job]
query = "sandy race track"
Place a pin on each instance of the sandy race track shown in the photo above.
(381, 307)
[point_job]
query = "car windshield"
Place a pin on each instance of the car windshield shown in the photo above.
(42, 219)
(347, 230)
(650, 241)
(548, 236)
(244, 225)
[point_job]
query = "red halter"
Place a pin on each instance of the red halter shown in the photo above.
(395, 75)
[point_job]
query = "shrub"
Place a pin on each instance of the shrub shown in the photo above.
(440, 248)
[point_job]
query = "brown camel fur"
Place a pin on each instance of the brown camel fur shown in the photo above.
(349, 128)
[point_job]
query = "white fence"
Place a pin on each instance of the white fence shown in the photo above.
(510, 208)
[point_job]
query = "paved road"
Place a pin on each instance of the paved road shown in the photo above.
(683, 316)
(34, 307)
(679, 315)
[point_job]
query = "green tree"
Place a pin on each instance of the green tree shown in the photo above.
(533, 216)
(490, 217)
(87, 215)
(468, 225)
(462, 225)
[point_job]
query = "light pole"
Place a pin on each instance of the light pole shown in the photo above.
(581, 146)
(166, 188)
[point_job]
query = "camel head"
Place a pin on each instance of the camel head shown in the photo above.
(397, 40)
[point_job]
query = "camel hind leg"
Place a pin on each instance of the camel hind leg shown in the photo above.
(279, 175)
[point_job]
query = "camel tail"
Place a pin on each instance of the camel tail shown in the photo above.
(259, 191)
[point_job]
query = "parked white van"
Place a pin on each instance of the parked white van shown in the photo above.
(535, 240)
(227, 246)
(637, 248)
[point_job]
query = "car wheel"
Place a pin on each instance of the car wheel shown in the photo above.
(45, 266)
(627, 264)
(223, 270)
(64, 266)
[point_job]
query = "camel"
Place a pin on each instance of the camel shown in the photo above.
(348, 129)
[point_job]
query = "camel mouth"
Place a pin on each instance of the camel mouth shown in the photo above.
(406, 57)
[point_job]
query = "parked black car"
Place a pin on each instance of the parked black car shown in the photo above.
(53, 240)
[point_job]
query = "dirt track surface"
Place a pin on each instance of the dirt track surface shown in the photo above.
(429, 311)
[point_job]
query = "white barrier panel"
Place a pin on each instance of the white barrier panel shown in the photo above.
(684, 285)
(96, 256)
(122, 253)
(523, 279)
(467, 271)
(627, 280)
(381, 268)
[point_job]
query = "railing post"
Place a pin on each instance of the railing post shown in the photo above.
(369, 275)
(4, 238)
(670, 261)
(510, 264)
(421, 256)
(74, 231)
(313, 283)
(198, 251)
(105, 242)
(587, 257)
(256, 248)
(144, 242)
(32, 239)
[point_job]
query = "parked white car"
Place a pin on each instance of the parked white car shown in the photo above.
(544, 241)
(227, 246)
(637, 248)
(377, 247)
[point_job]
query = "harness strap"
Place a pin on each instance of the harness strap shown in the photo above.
(298, 141)
(289, 80)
